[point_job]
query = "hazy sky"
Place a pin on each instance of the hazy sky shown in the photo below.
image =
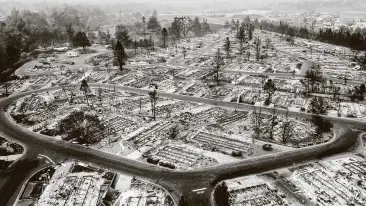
(153, 1)
(186, 5)
(193, 4)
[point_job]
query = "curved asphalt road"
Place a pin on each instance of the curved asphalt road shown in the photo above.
(179, 182)
(175, 181)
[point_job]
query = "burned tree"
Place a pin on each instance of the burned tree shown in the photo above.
(184, 52)
(218, 62)
(257, 44)
(164, 34)
(86, 89)
(322, 126)
(257, 121)
(269, 87)
(120, 55)
(273, 123)
(318, 106)
(313, 76)
(100, 92)
(241, 37)
(153, 100)
(287, 130)
(227, 46)
(221, 195)
(84, 128)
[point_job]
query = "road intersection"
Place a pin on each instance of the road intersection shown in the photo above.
(177, 182)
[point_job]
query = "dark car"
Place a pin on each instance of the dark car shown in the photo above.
(267, 147)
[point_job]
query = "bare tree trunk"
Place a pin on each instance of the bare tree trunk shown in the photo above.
(140, 106)
(217, 77)
(87, 99)
(152, 107)
(71, 96)
(154, 110)
(272, 124)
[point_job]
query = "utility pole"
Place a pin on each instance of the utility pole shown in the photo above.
(339, 106)
(140, 106)
(273, 122)
(345, 79)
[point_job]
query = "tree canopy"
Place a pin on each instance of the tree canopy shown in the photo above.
(227, 46)
(85, 128)
(318, 106)
(80, 40)
(153, 24)
(343, 37)
(164, 34)
(25, 31)
(120, 55)
(84, 86)
(122, 35)
(322, 126)
(314, 76)
(184, 26)
(221, 195)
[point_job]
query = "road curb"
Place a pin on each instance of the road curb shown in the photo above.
(26, 183)
(25, 149)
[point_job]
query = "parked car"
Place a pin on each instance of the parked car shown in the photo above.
(267, 147)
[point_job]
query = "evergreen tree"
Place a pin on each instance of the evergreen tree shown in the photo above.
(355, 40)
(12, 52)
(269, 87)
(205, 27)
(153, 100)
(123, 36)
(318, 106)
(196, 26)
(120, 55)
(250, 31)
(314, 76)
(70, 32)
(80, 39)
(221, 195)
(241, 37)
(257, 44)
(322, 126)
(176, 28)
(218, 62)
(164, 34)
(227, 46)
(85, 128)
(153, 24)
(86, 89)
